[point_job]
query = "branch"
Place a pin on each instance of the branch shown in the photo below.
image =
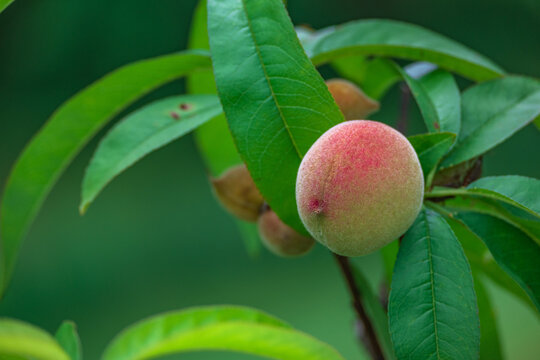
(367, 332)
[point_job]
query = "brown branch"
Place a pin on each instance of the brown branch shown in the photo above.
(366, 331)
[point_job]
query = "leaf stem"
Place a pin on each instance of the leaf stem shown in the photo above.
(367, 336)
(446, 192)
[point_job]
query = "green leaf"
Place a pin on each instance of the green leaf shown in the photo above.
(432, 309)
(250, 235)
(65, 134)
(4, 4)
(216, 328)
(492, 112)
(438, 99)
(201, 82)
(309, 37)
(375, 312)
(275, 101)
(69, 340)
(213, 139)
(352, 68)
(513, 250)
(490, 347)
(389, 256)
(479, 255)
(19, 339)
(142, 132)
(520, 191)
(537, 122)
(516, 217)
(375, 76)
(389, 38)
(430, 149)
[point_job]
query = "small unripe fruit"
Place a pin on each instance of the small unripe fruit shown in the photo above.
(237, 192)
(280, 238)
(359, 187)
(352, 101)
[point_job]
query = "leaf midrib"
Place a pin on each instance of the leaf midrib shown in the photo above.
(487, 73)
(150, 139)
(156, 348)
(267, 78)
(435, 146)
(126, 161)
(432, 283)
(472, 192)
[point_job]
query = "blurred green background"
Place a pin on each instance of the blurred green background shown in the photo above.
(156, 240)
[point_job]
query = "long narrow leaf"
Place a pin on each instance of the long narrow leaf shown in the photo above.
(491, 113)
(142, 132)
(214, 140)
(65, 134)
(479, 255)
(519, 190)
(490, 346)
(432, 309)
(391, 38)
(216, 328)
(24, 341)
(512, 215)
(374, 76)
(513, 250)
(4, 4)
(69, 340)
(438, 98)
(275, 101)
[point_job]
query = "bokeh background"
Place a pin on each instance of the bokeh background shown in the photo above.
(156, 240)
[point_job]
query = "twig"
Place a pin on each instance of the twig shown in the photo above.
(403, 121)
(367, 334)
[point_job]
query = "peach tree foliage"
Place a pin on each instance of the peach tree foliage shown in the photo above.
(255, 96)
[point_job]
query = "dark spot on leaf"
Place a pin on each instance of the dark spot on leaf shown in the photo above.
(175, 116)
(436, 125)
(185, 106)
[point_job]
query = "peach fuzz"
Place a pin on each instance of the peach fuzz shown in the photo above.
(359, 187)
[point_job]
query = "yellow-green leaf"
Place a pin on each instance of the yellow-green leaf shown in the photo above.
(234, 329)
(19, 339)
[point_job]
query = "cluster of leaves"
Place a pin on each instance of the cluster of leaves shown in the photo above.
(206, 328)
(266, 90)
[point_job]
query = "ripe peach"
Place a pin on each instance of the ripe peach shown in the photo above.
(238, 194)
(359, 187)
(281, 239)
(352, 101)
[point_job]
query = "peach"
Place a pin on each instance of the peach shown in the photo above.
(238, 194)
(281, 239)
(359, 187)
(352, 101)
